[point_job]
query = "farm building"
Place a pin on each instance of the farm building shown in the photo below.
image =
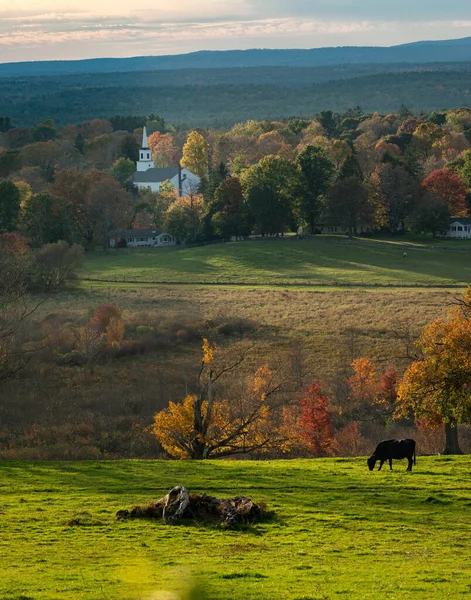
(150, 236)
(148, 176)
(458, 228)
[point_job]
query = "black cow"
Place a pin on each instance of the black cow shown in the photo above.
(390, 449)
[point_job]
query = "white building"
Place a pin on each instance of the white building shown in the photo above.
(147, 176)
(135, 238)
(458, 229)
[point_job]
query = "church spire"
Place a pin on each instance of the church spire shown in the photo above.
(144, 139)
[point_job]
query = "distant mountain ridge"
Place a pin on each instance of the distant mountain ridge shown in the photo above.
(421, 52)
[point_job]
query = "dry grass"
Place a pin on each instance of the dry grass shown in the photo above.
(373, 323)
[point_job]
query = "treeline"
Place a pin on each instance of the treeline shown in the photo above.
(349, 172)
(220, 98)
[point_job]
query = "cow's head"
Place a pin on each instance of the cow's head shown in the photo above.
(371, 462)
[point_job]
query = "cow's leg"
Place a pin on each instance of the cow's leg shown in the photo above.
(390, 464)
(381, 464)
(409, 468)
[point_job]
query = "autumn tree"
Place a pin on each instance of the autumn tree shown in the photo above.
(309, 423)
(110, 208)
(183, 219)
(437, 388)
(47, 219)
(449, 186)
(395, 194)
(55, 264)
(105, 329)
(348, 204)
(97, 202)
(317, 175)
(371, 394)
(195, 154)
(208, 424)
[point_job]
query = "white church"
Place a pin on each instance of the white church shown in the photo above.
(147, 176)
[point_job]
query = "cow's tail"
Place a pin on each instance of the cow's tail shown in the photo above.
(414, 455)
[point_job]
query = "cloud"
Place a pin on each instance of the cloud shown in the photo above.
(41, 31)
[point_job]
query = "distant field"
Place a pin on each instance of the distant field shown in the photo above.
(339, 532)
(321, 261)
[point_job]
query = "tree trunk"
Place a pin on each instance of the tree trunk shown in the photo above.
(451, 444)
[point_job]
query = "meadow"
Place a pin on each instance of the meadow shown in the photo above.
(339, 531)
(322, 260)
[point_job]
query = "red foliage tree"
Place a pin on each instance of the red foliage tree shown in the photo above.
(449, 186)
(315, 424)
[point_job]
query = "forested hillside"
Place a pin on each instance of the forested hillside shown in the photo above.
(417, 52)
(221, 98)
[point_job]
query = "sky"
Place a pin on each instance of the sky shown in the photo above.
(75, 29)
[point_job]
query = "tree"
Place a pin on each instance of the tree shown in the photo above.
(431, 214)
(206, 425)
(123, 169)
(16, 305)
(164, 153)
(449, 186)
(129, 148)
(318, 172)
(195, 154)
(348, 204)
(183, 219)
(10, 161)
(54, 264)
(97, 202)
(329, 121)
(396, 192)
(44, 132)
(231, 219)
(436, 389)
(9, 206)
(47, 219)
(110, 208)
(271, 188)
(314, 422)
(350, 168)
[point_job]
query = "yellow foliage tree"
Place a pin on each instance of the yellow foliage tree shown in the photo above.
(437, 389)
(195, 154)
(204, 426)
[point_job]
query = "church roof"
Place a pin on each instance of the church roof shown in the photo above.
(155, 175)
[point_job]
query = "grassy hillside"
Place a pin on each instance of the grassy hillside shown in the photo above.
(339, 531)
(321, 261)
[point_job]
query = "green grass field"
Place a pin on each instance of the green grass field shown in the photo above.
(320, 261)
(339, 531)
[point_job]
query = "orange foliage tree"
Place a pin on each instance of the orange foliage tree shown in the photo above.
(372, 395)
(105, 329)
(437, 389)
(204, 425)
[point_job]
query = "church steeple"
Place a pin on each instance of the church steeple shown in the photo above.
(145, 161)
(144, 138)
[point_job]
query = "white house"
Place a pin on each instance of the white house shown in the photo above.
(147, 176)
(150, 236)
(458, 228)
